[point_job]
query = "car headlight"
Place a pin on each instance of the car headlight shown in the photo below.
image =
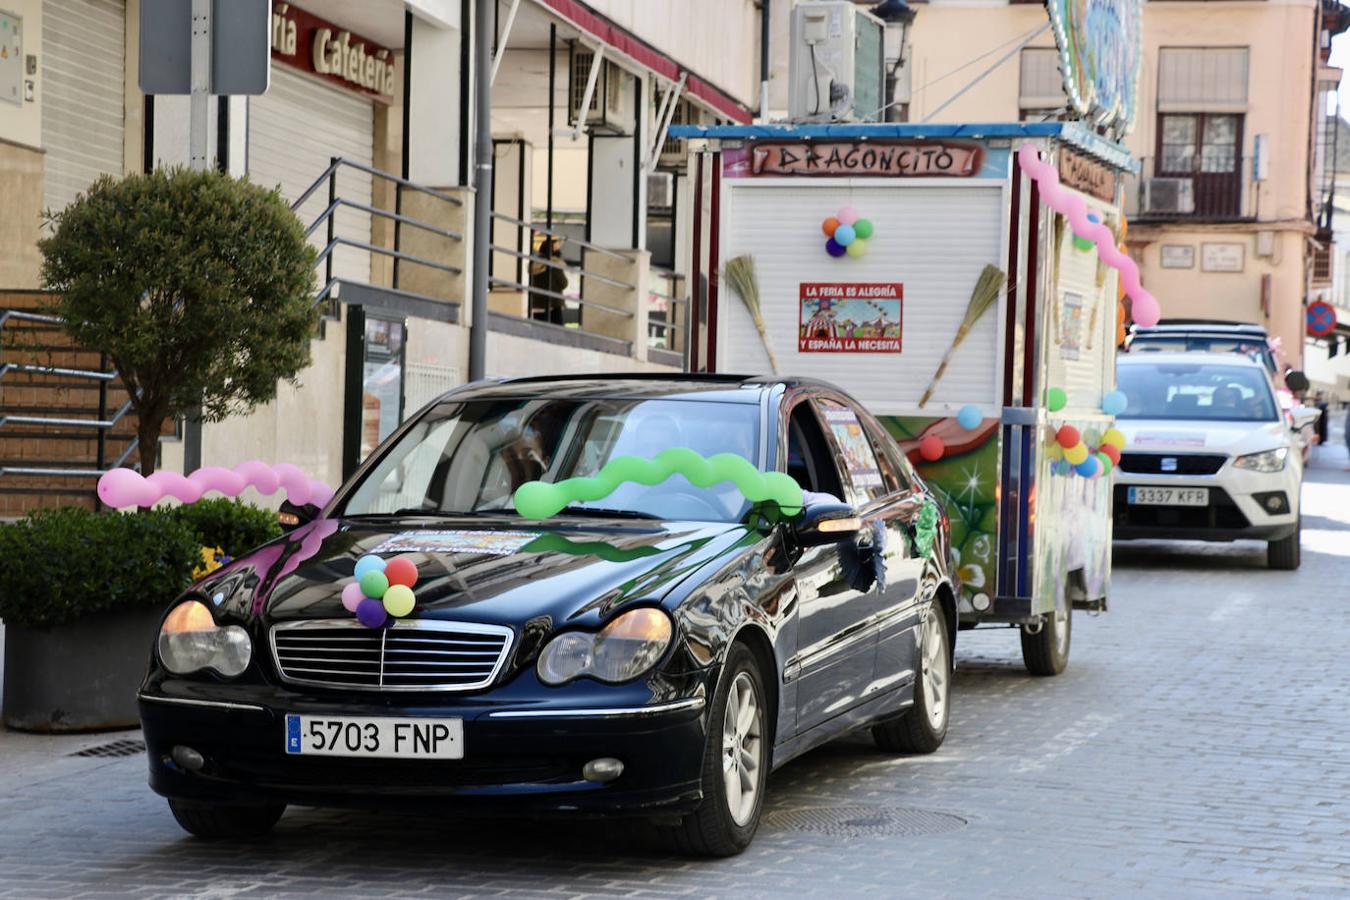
(1269, 461)
(191, 641)
(621, 651)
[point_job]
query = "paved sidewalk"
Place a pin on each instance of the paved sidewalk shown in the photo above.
(1197, 746)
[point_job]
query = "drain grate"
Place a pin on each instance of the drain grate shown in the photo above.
(114, 749)
(864, 821)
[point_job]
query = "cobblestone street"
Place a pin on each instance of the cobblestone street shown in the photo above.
(1196, 746)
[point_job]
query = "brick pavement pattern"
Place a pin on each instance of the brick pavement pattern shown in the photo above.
(1196, 746)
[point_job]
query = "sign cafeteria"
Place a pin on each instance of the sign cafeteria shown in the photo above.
(311, 44)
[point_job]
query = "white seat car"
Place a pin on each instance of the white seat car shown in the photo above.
(1208, 455)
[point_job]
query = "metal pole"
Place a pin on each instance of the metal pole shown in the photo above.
(198, 121)
(764, 60)
(552, 102)
(482, 201)
(332, 214)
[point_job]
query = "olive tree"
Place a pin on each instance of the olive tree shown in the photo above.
(197, 285)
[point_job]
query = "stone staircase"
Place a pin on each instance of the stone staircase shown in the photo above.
(64, 416)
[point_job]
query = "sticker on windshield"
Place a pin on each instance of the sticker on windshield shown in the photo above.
(493, 543)
(1170, 439)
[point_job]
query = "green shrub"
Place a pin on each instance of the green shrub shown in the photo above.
(60, 565)
(230, 525)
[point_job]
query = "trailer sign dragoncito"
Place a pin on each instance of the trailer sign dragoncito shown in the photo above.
(850, 317)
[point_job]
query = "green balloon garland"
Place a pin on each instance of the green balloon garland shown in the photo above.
(925, 528)
(541, 499)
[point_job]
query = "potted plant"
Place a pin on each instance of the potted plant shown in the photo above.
(81, 595)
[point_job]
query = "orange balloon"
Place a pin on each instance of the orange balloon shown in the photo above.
(829, 225)
(1120, 324)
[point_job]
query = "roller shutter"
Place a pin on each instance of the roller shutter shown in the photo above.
(293, 131)
(83, 116)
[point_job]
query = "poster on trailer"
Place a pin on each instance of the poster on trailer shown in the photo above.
(850, 317)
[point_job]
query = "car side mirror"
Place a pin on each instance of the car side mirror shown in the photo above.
(826, 523)
(1305, 416)
(291, 517)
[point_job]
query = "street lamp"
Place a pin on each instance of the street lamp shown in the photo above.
(896, 13)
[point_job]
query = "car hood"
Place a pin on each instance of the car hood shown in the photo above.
(1191, 436)
(475, 569)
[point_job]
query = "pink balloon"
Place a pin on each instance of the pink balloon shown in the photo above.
(295, 483)
(260, 475)
(1145, 308)
(847, 215)
(173, 484)
(214, 478)
(120, 488)
(352, 597)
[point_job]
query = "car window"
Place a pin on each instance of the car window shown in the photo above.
(861, 469)
(471, 456)
(1251, 347)
(810, 458)
(1196, 391)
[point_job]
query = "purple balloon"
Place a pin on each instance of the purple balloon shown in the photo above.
(834, 248)
(371, 614)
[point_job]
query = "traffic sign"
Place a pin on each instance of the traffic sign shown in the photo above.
(1321, 319)
(239, 34)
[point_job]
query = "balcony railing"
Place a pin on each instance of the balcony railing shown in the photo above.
(1192, 192)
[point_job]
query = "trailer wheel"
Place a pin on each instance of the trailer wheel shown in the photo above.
(1045, 650)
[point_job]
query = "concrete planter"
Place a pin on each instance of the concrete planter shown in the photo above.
(78, 677)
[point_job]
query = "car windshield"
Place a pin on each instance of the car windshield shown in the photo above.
(1251, 347)
(470, 456)
(1195, 391)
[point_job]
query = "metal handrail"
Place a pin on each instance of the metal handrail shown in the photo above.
(408, 257)
(70, 423)
(502, 282)
(562, 266)
(339, 162)
(551, 233)
(6, 368)
(382, 213)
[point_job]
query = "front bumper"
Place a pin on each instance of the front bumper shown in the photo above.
(1234, 511)
(520, 758)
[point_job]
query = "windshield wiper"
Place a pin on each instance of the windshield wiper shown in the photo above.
(416, 511)
(596, 512)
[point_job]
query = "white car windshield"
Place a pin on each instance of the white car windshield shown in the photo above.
(1196, 391)
(469, 457)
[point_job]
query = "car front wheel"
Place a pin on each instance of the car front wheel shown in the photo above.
(735, 764)
(212, 822)
(1285, 554)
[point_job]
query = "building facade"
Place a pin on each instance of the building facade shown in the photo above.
(367, 129)
(1229, 99)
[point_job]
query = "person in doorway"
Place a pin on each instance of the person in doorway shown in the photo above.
(548, 274)
(1323, 418)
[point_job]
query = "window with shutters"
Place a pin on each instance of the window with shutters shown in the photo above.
(1321, 264)
(1040, 93)
(1202, 101)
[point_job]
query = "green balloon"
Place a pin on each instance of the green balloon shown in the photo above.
(1056, 399)
(541, 499)
(374, 584)
(1083, 244)
(1105, 461)
(863, 228)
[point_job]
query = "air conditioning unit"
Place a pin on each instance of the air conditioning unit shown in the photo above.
(661, 190)
(612, 100)
(673, 154)
(1168, 196)
(837, 63)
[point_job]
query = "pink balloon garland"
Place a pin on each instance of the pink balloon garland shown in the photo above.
(120, 488)
(1144, 307)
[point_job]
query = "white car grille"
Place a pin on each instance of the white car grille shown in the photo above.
(410, 655)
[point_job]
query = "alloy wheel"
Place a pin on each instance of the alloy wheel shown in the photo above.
(936, 670)
(742, 749)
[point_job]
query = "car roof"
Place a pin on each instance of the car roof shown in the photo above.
(718, 387)
(1199, 326)
(1191, 357)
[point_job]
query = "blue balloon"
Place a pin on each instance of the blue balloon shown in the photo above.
(1063, 467)
(1093, 217)
(834, 248)
(1114, 403)
(844, 235)
(968, 417)
(368, 563)
(1088, 467)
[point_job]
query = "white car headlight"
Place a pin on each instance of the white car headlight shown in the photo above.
(621, 651)
(1269, 461)
(191, 641)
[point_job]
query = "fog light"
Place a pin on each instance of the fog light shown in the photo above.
(606, 768)
(1274, 502)
(188, 758)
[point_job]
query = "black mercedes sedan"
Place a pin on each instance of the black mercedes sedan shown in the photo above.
(654, 652)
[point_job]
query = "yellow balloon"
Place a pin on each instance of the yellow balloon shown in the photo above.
(399, 600)
(1054, 451)
(1115, 438)
(1077, 453)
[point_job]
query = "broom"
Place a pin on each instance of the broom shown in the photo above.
(740, 274)
(986, 290)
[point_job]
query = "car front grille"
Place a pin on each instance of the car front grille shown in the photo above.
(410, 655)
(1186, 463)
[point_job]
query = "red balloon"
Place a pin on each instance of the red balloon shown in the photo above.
(401, 570)
(1068, 436)
(1111, 452)
(829, 225)
(931, 448)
